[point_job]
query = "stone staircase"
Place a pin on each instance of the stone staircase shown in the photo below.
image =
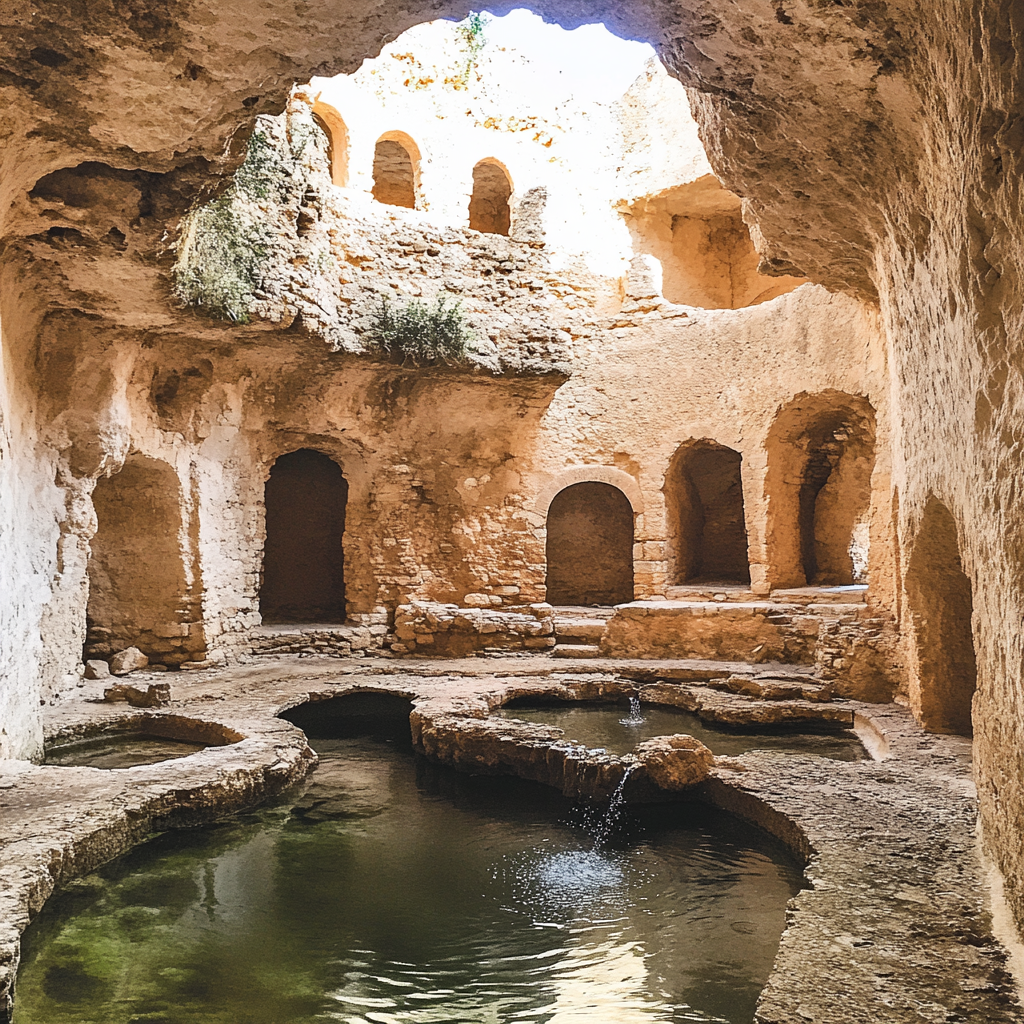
(578, 630)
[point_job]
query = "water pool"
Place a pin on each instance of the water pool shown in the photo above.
(124, 750)
(392, 890)
(612, 727)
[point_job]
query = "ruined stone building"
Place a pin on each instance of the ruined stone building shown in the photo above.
(734, 376)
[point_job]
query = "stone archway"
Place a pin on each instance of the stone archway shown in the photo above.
(489, 209)
(589, 546)
(396, 161)
(706, 523)
(334, 127)
(821, 454)
(303, 557)
(139, 593)
(940, 602)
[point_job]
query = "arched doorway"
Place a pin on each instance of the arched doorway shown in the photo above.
(139, 594)
(489, 209)
(707, 527)
(941, 607)
(590, 546)
(821, 454)
(394, 172)
(303, 558)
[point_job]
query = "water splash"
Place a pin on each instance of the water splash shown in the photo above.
(606, 826)
(635, 717)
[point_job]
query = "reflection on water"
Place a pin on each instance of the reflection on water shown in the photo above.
(603, 726)
(395, 891)
(120, 751)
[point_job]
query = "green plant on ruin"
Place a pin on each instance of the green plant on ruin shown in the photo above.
(471, 32)
(226, 243)
(421, 334)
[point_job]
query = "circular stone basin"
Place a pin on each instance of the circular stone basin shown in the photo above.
(610, 726)
(145, 739)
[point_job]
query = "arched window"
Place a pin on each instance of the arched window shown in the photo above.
(821, 453)
(138, 582)
(590, 546)
(337, 138)
(395, 171)
(489, 209)
(707, 527)
(303, 558)
(941, 607)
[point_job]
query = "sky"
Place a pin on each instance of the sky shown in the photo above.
(588, 63)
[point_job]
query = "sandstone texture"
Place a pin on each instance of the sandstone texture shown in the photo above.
(872, 150)
(675, 762)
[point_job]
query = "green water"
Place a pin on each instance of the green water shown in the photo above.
(392, 891)
(120, 751)
(610, 726)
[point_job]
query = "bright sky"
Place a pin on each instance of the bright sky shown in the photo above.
(588, 63)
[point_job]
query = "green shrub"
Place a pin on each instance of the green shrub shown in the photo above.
(421, 334)
(220, 259)
(225, 244)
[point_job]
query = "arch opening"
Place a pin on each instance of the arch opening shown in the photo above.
(303, 557)
(139, 593)
(394, 173)
(590, 546)
(332, 125)
(382, 715)
(821, 454)
(707, 524)
(941, 606)
(707, 256)
(489, 209)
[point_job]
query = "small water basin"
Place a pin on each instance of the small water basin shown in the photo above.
(145, 739)
(119, 751)
(611, 726)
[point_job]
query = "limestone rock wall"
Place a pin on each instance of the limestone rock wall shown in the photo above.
(877, 151)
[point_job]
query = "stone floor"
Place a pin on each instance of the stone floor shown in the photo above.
(894, 925)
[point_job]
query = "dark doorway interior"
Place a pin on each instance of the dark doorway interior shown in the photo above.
(590, 546)
(303, 559)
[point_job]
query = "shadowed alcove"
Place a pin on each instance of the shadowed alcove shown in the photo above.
(590, 546)
(821, 454)
(707, 527)
(489, 209)
(303, 558)
(138, 588)
(394, 171)
(941, 609)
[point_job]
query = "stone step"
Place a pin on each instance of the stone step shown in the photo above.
(821, 595)
(733, 594)
(577, 651)
(579, 629)
(709, 592)
(580, 611)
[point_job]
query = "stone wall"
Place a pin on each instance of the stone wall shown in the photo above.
(871, 155)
